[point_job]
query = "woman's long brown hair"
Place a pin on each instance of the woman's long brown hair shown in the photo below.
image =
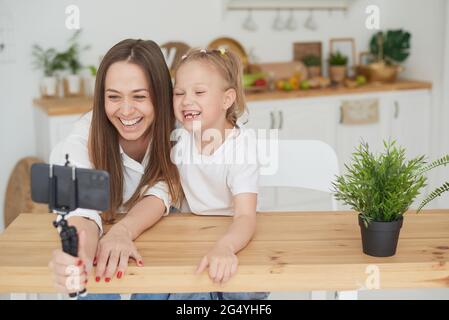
(104, 151)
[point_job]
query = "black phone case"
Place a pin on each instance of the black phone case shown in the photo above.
(92, 186)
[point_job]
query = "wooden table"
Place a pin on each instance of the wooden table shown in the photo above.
(291, 251)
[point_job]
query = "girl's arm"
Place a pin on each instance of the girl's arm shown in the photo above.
(222, 259)
(243, 225)
(117, 246)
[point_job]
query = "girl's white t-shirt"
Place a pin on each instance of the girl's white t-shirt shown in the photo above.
(76, 145)
(210, 182)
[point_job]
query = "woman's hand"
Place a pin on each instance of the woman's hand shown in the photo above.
(70, 273)
(113, 253)
(222, 263)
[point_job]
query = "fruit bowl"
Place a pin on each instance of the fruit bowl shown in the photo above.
(255, 82)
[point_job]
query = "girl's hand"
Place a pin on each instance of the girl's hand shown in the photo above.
(113, 253)
(222, 263)
(70, 273)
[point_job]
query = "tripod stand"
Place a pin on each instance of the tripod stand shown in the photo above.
(68, 234)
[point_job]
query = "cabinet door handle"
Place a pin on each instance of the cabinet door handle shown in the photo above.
(272, 120)
(281, 120)
(396, 109)
(341, 115)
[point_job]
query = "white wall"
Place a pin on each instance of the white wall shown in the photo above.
(195, 22)
(443, 173)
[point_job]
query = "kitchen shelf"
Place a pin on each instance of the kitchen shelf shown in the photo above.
(307, 5)
(67, 106)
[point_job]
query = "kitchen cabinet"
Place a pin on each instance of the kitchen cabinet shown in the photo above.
(410, 121)
(403, 116)
(50, 129)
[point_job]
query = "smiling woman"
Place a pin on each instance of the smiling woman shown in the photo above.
(130, 123)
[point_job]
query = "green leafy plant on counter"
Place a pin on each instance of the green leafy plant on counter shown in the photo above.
(380, 187)
(439, 190)
(71, 56)
(392, 46)
(93, 70)
(49, 60)
(338, 59)
(312, 61)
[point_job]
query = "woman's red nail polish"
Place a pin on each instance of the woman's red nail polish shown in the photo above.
(79, 263)
(107, 279)
(97, 279)
(95, 261)
(140, 263)
(119, 274)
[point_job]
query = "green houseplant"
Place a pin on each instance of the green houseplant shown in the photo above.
(337, 67)
(439, 190)
(389, 49)
(71, 58)
(392, 47)
(313, 64)
(380, 188)
(89, 81)
(50, 62)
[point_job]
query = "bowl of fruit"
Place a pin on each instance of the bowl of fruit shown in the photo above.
(255, 82)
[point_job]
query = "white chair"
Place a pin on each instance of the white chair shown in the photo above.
(308, 164)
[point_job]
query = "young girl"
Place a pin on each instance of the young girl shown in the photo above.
(127, 134)
(216, 156)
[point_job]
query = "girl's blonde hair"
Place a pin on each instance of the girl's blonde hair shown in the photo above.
(230, 68)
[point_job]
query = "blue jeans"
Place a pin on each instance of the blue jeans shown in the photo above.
(182, 296)
(204, 296)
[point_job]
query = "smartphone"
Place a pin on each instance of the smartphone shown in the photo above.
(92, 186)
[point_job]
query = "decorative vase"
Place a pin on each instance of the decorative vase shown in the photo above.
(379, 72)
(73, 86)
(380, 239)
(49, 87)
(314, 71)
(89, 85)
(337, 74)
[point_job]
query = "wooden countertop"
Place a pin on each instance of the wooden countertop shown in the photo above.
(67, 106)
(291, 251)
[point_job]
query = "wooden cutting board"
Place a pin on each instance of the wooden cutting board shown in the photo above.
(284, 70)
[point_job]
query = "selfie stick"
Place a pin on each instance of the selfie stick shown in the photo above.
(68, 234)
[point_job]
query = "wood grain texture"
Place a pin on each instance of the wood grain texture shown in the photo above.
(66, 106)
(291, 251)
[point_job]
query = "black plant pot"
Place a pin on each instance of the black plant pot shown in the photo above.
(380, 239)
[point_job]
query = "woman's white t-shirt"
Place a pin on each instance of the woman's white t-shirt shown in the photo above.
(210, 182)
(76, 145)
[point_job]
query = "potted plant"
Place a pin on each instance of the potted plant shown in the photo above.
(439, 190)
(389, 49)
(73, 81)
(313, 64)
(337, 67)
(50, 61)
(89, 81)
(380, 188)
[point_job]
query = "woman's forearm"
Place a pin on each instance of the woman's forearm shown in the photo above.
(142, 216)
(92, 233)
